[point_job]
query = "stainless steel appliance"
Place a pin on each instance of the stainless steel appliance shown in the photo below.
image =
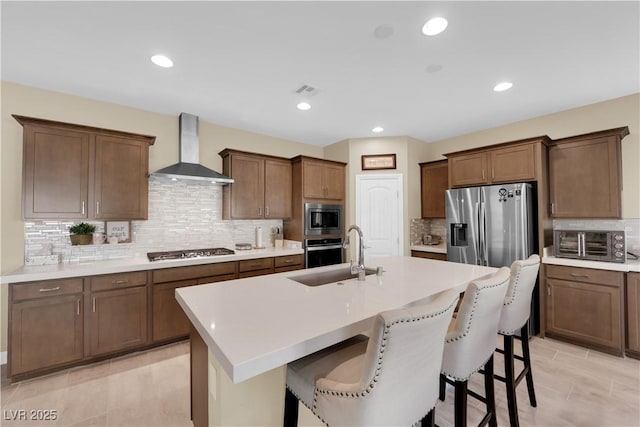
(322, 219)
(188, 253)
(493, 226)
(319, 252)
(609, 246)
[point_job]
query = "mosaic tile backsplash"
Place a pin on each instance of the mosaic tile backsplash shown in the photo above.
(182, 215)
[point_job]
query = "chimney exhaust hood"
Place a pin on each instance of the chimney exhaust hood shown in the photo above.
(188, 166)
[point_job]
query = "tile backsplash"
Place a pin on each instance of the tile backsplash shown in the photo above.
(419, 227)
(182, 215)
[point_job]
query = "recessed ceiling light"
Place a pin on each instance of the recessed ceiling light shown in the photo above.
(162, 61)
(303, 106)
(434, 26)
(377, 129)
(500, 87)
(383, 32)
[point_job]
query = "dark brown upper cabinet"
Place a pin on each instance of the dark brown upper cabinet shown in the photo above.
(585, 175)
(80, 172)
(434, 181)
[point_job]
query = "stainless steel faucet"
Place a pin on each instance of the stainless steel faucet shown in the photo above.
(360, 269)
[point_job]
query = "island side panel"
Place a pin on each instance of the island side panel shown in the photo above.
(199, 380)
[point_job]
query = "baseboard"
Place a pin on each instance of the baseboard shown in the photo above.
(3, 358)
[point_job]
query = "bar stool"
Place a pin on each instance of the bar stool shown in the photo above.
(515, 317)
(388, 379)
(470, 343)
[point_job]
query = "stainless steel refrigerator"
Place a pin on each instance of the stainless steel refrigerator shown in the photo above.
(493, 226)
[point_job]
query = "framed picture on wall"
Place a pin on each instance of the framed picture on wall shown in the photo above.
(120, 229)
(378, 161)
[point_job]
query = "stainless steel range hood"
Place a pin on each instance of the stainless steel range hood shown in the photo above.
(188, 167)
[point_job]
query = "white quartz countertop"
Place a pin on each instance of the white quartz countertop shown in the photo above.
(257, 324)
(59, 271)
(440, 248)
(629, 266)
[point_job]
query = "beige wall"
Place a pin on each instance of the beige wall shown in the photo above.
(29, 101)
(610, 114)
(409, 152)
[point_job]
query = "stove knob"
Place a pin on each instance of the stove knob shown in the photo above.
(618, 237)
(619, 254)
(618, 245)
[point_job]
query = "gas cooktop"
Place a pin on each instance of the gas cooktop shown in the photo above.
(188, 253)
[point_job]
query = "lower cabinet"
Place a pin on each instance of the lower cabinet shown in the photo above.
(429, 255)
(633, 315)
(118, 320)
(585, 306)
(45, 333)
(55, 324)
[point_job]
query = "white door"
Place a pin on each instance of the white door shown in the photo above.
(379, 214)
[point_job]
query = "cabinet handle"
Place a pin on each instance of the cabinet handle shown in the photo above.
(83, 207)
(119, 282)
(57, 288)
(493, 173)
(266, 211)
(288, 261)
(94, 304)
(549, 290)
(553, 208)
(97, 208)
(585, 276)
(483, 174)
(259, 211)
(78, 307)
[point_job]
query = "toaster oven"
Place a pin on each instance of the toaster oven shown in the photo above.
(609, 246)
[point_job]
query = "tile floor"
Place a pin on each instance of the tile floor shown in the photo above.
(574, 387)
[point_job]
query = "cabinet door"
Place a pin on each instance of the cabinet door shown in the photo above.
(247, 191)
(433, 184)
(313, 180)
(118, 320)
(584, 179)
(169, 320)
(468, 169)
(277, 189)
(334, 182)
(633, 313)
(55, 173)
(45, 333)
(585, 312)
(121, 184)
(513, 163)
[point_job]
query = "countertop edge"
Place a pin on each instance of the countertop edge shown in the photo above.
(438, 249)
(67, 270)
(629, 266)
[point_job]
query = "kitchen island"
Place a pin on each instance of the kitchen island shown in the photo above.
(245, 331)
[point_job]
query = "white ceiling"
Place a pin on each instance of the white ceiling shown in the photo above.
(238, 64)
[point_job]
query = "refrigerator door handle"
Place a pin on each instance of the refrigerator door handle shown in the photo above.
(483, 234)
(479, 239)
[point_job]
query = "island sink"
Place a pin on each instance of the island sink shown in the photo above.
(332, 276)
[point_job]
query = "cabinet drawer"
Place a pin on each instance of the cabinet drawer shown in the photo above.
(120, 280)
(587, 275)
(429, 255)
(193, 272)
(289, 260)
(46, 288)
(255, 264)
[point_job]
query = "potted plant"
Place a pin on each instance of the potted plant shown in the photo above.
(81, 233)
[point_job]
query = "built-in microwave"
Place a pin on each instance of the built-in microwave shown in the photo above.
(592, 245)
(322, 219)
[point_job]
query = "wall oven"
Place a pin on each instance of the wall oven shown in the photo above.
(322, 219)
(592, 245)
(319, 252)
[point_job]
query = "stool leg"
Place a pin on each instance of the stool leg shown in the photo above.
(510, 380)
(443, 385)
(290, 409)
(524, 333)
(460, 404)
(430, 419)
(490, 392)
